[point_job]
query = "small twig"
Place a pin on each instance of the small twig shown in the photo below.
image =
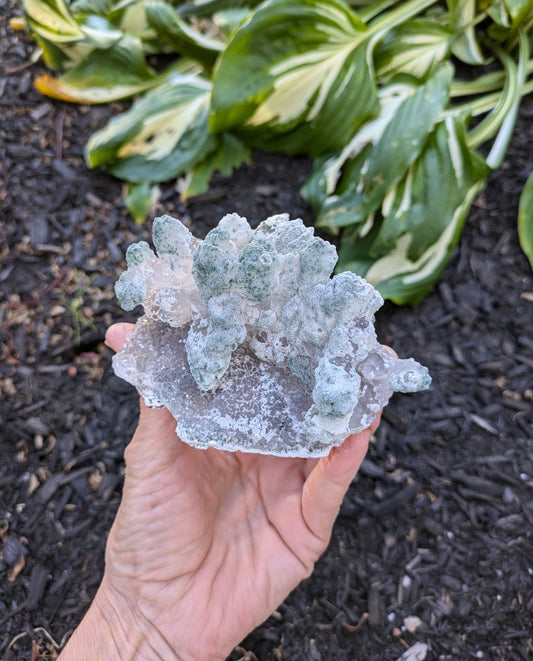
(19, 68)
(49, 636)
(17, 637)
(9, 616)
(42, 631)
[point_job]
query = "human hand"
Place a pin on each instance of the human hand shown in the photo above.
(206, 543)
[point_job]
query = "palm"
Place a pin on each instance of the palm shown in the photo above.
(216, 540)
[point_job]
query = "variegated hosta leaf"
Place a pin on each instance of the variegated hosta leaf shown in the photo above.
(55, 31)
(99, 32)
(508, 17)
(67, 36)
(415, 48)
(230, 154)
(462, 18)
(327, 169)
(104, 75)
(162, 135)
(368, 179)
(297, 76)
(131, 17)
(525, 220)
(410, 241)
(228, 20)
(498, 13)
(519, 10)
(203, 8)
(434, 186)
(88, 7)
(173, 31)
(51, 20)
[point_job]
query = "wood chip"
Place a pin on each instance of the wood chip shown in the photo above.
(484, 424)
(417, 652)
(412, 623)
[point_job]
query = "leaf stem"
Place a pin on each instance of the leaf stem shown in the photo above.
(497, 152)
(486, 129)
(486, 83)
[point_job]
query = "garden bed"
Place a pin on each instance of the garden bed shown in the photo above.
(437, 526)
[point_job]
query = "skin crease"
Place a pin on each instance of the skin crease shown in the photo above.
(206, 543)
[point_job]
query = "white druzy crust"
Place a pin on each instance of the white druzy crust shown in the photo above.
(249, 341)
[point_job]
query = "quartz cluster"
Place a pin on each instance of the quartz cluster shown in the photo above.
(249, 341)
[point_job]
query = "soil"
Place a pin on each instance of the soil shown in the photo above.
(438, 524)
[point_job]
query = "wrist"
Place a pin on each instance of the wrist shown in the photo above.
(113, 629)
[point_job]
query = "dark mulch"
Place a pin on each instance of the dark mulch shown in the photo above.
(439, 523)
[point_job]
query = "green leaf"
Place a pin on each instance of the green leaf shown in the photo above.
(80, 8)
(394, 275)
(328, 169)
(140, 200)
(519, 10)
(426, 199)
(230, 154)
(499, 14)
(203, 8)
(401, 142)
(55, 30)
(180, 37)
(462, 16)
(162, 135)
(502, 118)
(288, 70)
(228, 20)
(99, 32)
(525, 220)
(104, 75)
(62, 56)
(408, 246)
(130, 16)
(416, 48)
(51, 20)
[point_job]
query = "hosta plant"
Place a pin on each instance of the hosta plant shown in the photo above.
(405, 107)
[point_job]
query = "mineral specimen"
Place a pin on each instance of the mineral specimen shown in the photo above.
(249, 341)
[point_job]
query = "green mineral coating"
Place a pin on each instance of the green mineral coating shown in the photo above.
(225, 311)
(138, 253)
(291, 237)
(208, 359)
(317, 261)
(209, 352)
(336, 392)
(302, 367)
(218, 237)
(129, 292)
(201, 367)
(226, 321)
(171, 237)
(214, 270)
(259, 270)
(348, 295)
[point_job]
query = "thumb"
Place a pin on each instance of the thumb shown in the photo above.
(118, 334)
(326, 485)
(154, 445)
